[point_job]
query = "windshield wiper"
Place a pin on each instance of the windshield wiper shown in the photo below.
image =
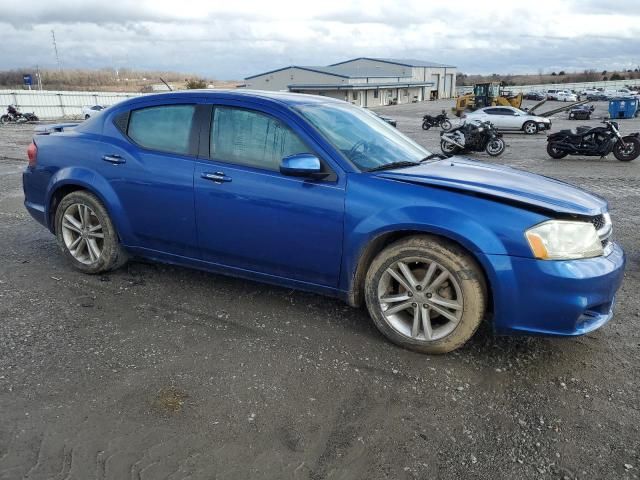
(391, 165)
(433, 156)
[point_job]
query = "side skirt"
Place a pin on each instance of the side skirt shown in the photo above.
(178, 260)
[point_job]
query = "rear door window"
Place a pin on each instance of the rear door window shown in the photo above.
(165, 128)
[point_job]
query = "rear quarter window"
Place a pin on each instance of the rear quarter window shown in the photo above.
(166, 128)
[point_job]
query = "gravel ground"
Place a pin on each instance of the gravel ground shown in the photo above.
(162, 372)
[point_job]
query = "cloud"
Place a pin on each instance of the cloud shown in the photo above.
(225, 40)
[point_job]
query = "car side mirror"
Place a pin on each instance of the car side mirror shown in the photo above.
(301, 165)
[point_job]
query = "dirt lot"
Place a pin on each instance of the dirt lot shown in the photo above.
(161, 372)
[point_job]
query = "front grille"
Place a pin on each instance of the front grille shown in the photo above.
(604, 228)
(598, 221)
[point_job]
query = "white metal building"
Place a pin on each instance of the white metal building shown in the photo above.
(364, 81)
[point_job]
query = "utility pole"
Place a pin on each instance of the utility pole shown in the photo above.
(55, 49)
(38, 78)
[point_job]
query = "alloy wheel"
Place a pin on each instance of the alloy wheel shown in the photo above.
(82, 233)
(420, 299)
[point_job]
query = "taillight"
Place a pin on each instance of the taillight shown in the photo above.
(32, 153)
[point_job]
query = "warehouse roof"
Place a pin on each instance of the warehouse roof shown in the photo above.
(337, 72)
(342, 69)
(407, 62)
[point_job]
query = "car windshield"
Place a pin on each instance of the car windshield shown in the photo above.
(363, 138)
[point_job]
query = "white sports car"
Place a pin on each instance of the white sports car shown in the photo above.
(91, 110)
(509, 118)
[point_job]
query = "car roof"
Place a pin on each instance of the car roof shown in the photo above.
(494, 106)
(283, 98)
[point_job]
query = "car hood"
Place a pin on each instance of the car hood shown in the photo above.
(538, 118)
(528, 190)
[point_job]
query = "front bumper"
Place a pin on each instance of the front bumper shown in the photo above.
(544, 126)
(565, 298)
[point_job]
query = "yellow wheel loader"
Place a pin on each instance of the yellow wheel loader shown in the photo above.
(486, 95)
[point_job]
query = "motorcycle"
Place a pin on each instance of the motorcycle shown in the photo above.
(594, 142)
(441, 120)
(13, 115)
(472, 137)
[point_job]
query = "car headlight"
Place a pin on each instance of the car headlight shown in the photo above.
(564, 240)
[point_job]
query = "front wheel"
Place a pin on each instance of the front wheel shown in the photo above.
(426, 294)
(446, 125)
(86, 235)
(555, 152)
(426, 125)
(495, 147)
(627, 151)
(530, 128)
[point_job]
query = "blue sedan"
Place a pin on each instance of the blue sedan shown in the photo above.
(319, 195)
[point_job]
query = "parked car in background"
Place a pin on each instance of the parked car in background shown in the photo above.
(534, 96)
(581, 112)
(509, 118)
(566, 96)
(597, 97)
(552, 94)
(316, 194)
(89, 111)
(590, 91)
(622, 93)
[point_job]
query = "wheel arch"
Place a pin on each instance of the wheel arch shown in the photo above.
(66, 182)
(381, 241)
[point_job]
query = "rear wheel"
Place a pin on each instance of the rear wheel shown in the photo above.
(449, 148)
(425, 294)
(4, 119)
(86, 234)
(530, 128)
(426, 125)
(627, 152)
(555, 152)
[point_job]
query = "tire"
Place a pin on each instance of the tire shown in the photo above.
(530, 128)
(464, 286)
(426, 125)
(4, 119)
(106, 252)
(446, 125)
(449, 149)
(632, 152)
(495, 147)
(87, 116)
(555, 152)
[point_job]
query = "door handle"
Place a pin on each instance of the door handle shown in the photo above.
(217, 177)
(115, 159)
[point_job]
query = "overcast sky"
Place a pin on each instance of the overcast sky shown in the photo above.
(234, 39)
